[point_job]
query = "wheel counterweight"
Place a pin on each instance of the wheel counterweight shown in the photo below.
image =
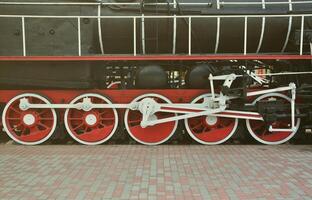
(151, 135)
(210, 129)
(259, 129)
(31, 126)
(91, 127)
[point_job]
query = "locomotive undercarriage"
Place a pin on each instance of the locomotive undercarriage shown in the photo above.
(211, 114)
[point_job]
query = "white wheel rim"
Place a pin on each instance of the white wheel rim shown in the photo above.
(82, 141)
(128, 128)
(254, 135)
(6, 129)
(188, 129)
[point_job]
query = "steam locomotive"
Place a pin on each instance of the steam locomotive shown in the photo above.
(155, 69)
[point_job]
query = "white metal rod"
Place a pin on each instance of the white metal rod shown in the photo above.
(96, 4)
(261, 35)
(293, 107)
(268, 3)
(288, 34)
(190, 36)
(301, 36)
(290, 5)
(143, 33)
(174, 39)
(79, 36)
(280, 89)
(134, 37)
(76, 106)
(190, 115)
(154, 16)
(100, 30)
(217, 34)
(245, 35)
(263, 4)
(218, 4)
(24, 36)
(164, 4)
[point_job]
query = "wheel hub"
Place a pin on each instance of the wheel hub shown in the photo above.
(211, 120)
(91, 119)
(29, 119)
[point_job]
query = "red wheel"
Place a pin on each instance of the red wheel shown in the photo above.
(91, 127)
(259, 130)
(210, 129)
(151, 135)
(32, 126)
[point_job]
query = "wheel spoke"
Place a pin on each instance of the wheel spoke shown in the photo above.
(75, 118)
(77, 127)
(197, 126)
(46, 118)
(107, 118)
(13, 118)
(15, 110)
(43, 125)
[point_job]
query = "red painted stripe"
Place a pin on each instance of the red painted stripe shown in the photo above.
(155, 57)
(239, 114)
(221, 113)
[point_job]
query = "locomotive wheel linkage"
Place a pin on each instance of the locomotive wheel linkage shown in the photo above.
(149, 119)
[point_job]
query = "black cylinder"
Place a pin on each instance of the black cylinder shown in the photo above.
(151, 77)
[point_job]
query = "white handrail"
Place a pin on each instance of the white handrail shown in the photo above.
(152, 16)
(79, 36)
(96, 4)
(267, 3)
(24, 36)
(159, 4)
(189, 17)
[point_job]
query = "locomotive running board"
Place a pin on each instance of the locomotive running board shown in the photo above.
(158, 57)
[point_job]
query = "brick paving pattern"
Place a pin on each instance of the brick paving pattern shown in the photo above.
(161, 172)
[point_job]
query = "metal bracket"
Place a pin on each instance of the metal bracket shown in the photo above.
(292, 87)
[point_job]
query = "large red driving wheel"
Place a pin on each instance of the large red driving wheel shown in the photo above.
(31, 126)
(259, 129)
(91, 127)
(210, 129)
(151, 135)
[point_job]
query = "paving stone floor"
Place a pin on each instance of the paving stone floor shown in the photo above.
(160, 172)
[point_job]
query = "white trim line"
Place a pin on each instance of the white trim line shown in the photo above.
(24, 36)
(288, 34)
(79, 36)
(134, 37)
(217, 34)
(154, 16)
(261, 35)
(143, 34)
(245, 35)
(100, 30)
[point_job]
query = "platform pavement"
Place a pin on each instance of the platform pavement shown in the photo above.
(160, 172)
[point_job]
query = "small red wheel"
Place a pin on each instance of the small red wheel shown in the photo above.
(210, 129)
(259, 130)
(31, 126)
(151, 135)
(91, 127)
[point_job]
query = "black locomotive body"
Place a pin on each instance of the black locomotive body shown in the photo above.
(142, 46)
